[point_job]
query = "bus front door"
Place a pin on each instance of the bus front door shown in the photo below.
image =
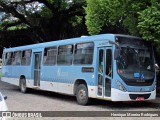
(104, 72)
(37, 68)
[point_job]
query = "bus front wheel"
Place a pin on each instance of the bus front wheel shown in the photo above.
(82, 94)
(22, 85)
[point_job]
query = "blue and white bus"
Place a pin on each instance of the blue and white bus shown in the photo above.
(107, 66)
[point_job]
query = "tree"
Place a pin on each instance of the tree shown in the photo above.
(48, 19)
(119, 14)
(149, 22)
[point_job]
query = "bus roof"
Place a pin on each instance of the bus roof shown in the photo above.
(67, 41)
(121, 35)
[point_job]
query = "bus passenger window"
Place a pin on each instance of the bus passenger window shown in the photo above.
(8, 58)
(50, 56)
(65, 55)
(16, 58)
(26, 57)
(83, 53)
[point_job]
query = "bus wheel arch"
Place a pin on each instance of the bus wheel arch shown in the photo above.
(77, 83)
(22, 84)
(81, 92)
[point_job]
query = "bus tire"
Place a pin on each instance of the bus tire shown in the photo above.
(22, 85)
(82, 94)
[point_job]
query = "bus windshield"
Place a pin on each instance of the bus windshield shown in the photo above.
(135, 65)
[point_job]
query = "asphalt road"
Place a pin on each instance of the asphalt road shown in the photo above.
(36, 100)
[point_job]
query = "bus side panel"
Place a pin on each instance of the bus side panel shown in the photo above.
(12, 76)
(62, 78)
(7, 75)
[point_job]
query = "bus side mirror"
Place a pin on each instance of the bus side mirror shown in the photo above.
(116, 54)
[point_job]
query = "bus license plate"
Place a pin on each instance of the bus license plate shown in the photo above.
(140, 99)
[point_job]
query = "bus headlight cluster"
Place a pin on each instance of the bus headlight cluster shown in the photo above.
(154, 88)
(121, 87)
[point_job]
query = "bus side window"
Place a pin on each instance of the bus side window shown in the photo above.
(8, 58)
(16, 58)
(83, 53)
(65, 55)
(26, 57)
(50, 56)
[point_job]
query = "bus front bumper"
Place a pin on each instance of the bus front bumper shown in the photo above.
(118, 95)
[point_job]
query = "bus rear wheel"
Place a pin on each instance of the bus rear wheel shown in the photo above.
(22, 85)
(82, 95)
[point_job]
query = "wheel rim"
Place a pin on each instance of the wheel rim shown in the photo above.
(82, 94)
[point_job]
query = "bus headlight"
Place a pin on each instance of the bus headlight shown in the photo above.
(121, 87)
(154, 88)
